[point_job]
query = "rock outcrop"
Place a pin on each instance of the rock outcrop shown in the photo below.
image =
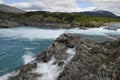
(92, 60)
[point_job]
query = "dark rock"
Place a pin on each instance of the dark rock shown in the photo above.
(98, 66)
(57, 50)
(61, 63)
(23, 72)
(68, 39)
(92, 61)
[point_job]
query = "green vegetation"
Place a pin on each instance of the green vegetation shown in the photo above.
(114, 45)
(74, 19)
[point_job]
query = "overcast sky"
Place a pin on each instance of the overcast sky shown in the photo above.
(65, 5)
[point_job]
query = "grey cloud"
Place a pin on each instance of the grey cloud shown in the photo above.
(111, 5)
(1, 1)
(52, 5)
(68, 5)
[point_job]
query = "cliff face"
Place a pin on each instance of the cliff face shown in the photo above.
(72, 57)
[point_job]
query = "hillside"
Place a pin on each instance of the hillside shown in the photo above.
(48, 19)
(9, 9)
(99, 13)
(53, 19)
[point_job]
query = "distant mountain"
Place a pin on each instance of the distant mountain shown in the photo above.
(9, 9)
(99, 13)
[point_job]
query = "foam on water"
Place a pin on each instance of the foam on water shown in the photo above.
(51, 71)
(71, 52)
(48, 70)
(31, 33)
(28, 57)
(94, 31)
(37, 33)
(6, 77)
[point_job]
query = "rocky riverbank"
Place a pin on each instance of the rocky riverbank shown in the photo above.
(13, 23)
(73, 57)
(9, 23)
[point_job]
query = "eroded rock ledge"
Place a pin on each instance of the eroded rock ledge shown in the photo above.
(92, 60)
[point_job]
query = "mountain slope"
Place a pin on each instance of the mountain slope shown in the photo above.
(9, 9)
(53, 19)
(99, 13)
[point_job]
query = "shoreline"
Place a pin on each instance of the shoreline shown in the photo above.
(51, 25)
(111, 23)
(88, 53)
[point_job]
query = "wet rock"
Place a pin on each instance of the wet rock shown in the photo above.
(57, 50)
(92, 61)
(68, 39)
(23, 72)
(61, 63)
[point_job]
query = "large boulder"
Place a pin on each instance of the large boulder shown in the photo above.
(92, 60)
